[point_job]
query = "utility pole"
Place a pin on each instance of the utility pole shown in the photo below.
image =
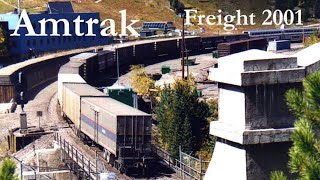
(19, 7)
(187, 63)
(117, 66)
(182, 46)
(118, 70)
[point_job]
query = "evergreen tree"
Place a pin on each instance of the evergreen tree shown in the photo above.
(278, 175)
(174, 4)
(7, 170)
(182, 118)
(305, 152)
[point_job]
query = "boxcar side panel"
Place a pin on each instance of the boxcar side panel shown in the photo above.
(87, 118)
(71, 106)
(125, 55)
(98, 125)
(107, 136)
(192, 44)
(144, 52)
(67, 78)
(167, 48)
(7, 93)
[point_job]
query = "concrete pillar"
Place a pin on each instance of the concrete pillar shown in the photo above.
(254, 125)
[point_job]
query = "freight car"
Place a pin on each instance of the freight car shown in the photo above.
(225, 49)
(90, 65)
(192, 45)
(38, 71)
(211, 42)
(145, 52)
(167, 49)
(122, 132)
(28, 76)
(105, 60)
(71, 97)
(70, 72)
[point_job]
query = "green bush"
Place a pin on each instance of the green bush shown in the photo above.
(7, 170)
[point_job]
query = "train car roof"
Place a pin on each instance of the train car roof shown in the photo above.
(103, 52)
(18, 66)
(112, 47)
(244, 40)
(83, 56)
(83, 89)
(70, 68)
(114, 107)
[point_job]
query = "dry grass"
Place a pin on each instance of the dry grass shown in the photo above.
(155, 10)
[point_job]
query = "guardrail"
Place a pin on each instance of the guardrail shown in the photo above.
(76, 161)
(185, 170)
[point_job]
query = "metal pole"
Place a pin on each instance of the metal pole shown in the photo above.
(200, 168)
(187, 63)
(117, 65)
(89, 170)
(96, 164)
(180, 153)
(19, 8)
(182, 47)
(302, 35)
(21, 170)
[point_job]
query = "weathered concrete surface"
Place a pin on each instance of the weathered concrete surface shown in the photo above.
(255, 107)
(262, 159)
(228, 162)
(266, 106)
(255, 125)
(246, 137)
(233, 161)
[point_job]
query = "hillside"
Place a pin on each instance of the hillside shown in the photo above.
(155, 10)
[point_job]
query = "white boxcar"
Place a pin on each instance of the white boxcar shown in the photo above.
(90, 66)
(70, 72)
(82, 57)
(71, 98)
(116, 126)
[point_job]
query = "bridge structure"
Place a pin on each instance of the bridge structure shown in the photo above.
(254, 126)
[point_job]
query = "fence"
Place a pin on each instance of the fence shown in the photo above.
(187, 167)
(27, 171)
(82, 166)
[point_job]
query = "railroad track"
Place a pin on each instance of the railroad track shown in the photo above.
(66, 132)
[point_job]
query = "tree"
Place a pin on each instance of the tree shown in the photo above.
(208, 144)
(278, 175)
(173, 4)
(141, 81)
(305, 152)
(313, 39)
(7, 170)
(177, 6)
(181, 118)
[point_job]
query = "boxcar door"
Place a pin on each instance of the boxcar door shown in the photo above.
(96, 125)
